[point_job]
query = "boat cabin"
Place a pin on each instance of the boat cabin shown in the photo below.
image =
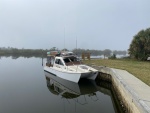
(63, 59)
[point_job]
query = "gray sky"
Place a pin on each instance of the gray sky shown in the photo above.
(97, 24)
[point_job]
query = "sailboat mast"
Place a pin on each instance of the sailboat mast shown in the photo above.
(64, 39)
(76, 45)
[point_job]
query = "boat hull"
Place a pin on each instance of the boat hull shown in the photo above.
(71, 76)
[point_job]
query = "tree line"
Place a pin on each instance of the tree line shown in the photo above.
(41, 52)
(21, 52)
(106, 52)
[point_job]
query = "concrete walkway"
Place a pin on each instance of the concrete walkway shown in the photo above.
(134, 90)
(139, 90)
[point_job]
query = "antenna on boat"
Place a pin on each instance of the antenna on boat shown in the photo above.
(76, 45)
(64, 39)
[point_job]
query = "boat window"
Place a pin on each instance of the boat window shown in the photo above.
(71, 61)
(66, 60)
(58, 61)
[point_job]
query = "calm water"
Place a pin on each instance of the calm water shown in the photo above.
(26, 88)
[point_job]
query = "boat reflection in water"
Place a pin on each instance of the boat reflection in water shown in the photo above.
(85, 95)
(68, 89)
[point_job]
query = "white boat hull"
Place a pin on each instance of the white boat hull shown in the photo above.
(71, 76)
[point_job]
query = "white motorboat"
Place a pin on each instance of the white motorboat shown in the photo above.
(66, 65)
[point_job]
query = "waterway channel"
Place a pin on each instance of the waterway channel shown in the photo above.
(26, 88)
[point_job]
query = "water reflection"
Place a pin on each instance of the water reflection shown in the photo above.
(68, 89)
(85, 93)
(16, 56)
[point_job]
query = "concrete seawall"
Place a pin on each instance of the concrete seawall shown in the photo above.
(135, 94)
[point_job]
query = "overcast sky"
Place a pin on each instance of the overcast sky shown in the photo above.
(97, 24)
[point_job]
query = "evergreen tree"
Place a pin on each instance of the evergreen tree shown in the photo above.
(140, 45)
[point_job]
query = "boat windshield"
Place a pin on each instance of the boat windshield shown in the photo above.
(71, 61)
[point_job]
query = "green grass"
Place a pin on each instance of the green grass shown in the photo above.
(139, 69)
